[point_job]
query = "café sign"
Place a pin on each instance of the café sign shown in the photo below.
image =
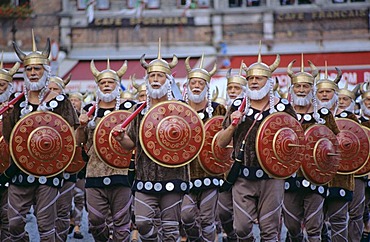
(144, 21)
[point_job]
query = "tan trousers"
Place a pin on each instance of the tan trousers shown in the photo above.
(64, 206)
(356, 211)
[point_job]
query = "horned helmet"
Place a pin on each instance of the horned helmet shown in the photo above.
(302, 76)
(8, 75)
(108, 73)
(239, 78)
(200, 72)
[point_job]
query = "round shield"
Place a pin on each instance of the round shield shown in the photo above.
(280, 145)
(366, 168)
(353, 146)
(213, 159)
(171, 134)
(77, 163)
(42, 144)
(322, 155)
(108, 148)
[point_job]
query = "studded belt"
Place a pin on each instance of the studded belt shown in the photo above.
(161, 186)
(105, 181)
(23, 179)
(205, 183)
(300, 184)
(339, 193)
(253, 173)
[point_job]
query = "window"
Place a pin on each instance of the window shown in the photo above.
(286, 2)
(193, 4)
(102, 4)
(151, 4)
(306, 1)
(251, 3)
(99, 4)
(339, 1)
(235, 3)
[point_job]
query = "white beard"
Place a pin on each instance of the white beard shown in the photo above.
(108, 97)
(301, 101)
(259, 94)
(5, 95)
(351, 107)
(365, 110)
(158, 93)
(230, 100)
(35, 86)
(197, 98)
(329, 104)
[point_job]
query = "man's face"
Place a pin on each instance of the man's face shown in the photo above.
(34, 72)
(302, 89)
(3, 86)
(344, 101)
(255, 83)
(141, 97)
(54, 87)
(234, 90)
(197, 85)
(156, 79)
(107, 85)
(325, 94)
(76, 102)
(366, 102)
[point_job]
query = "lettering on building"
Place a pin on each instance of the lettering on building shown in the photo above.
(322, 15)
(146, 22)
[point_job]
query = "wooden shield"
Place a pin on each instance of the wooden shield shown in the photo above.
(77, 163)
(42, 144)
(171, 134)
(107, 148)
(280, 145)
(365, 170)
(353, 146)
(322, 155)
(213, 159)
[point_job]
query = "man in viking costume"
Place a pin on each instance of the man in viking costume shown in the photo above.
(159, 189)
(108, 191)
(140, 95)
(356, 208)
(6, 89)
(257, 198)
(78, 192)
(26, 189)
(198, 209)
(236, 88)
(304, 196)
(64, 202)
(341, 187)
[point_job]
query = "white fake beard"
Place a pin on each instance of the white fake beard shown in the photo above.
(108, 97)
(301, 101)
(259, 94)
(351, 107)
(160, 92)
(35, 86)
(231, 100)
(365, 110)
(5, 95)
(329, 104)
(197, 98)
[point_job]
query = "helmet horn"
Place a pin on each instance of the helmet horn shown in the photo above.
(122, 70)
(289, 69)
(187, 65)
(93, 69)
(143, 62)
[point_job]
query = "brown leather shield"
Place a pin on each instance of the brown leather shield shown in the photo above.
(353, 146)
(107, 148)
(213, 159)
(42, 144)
(366, 168)
(321, 156)
(280, 145)
(77, 163)
(171, 134)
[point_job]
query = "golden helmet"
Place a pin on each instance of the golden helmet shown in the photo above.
(138, 87)
(159, 64)
(351, 94)
(8, 75)
(35, 57)
(108, 73)
(127, 95)
(326, 83)
(302, 76)
(364, 89)
(238, 79)
(200, 72)
(59, 81)
(77, 95)
(261, 69)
